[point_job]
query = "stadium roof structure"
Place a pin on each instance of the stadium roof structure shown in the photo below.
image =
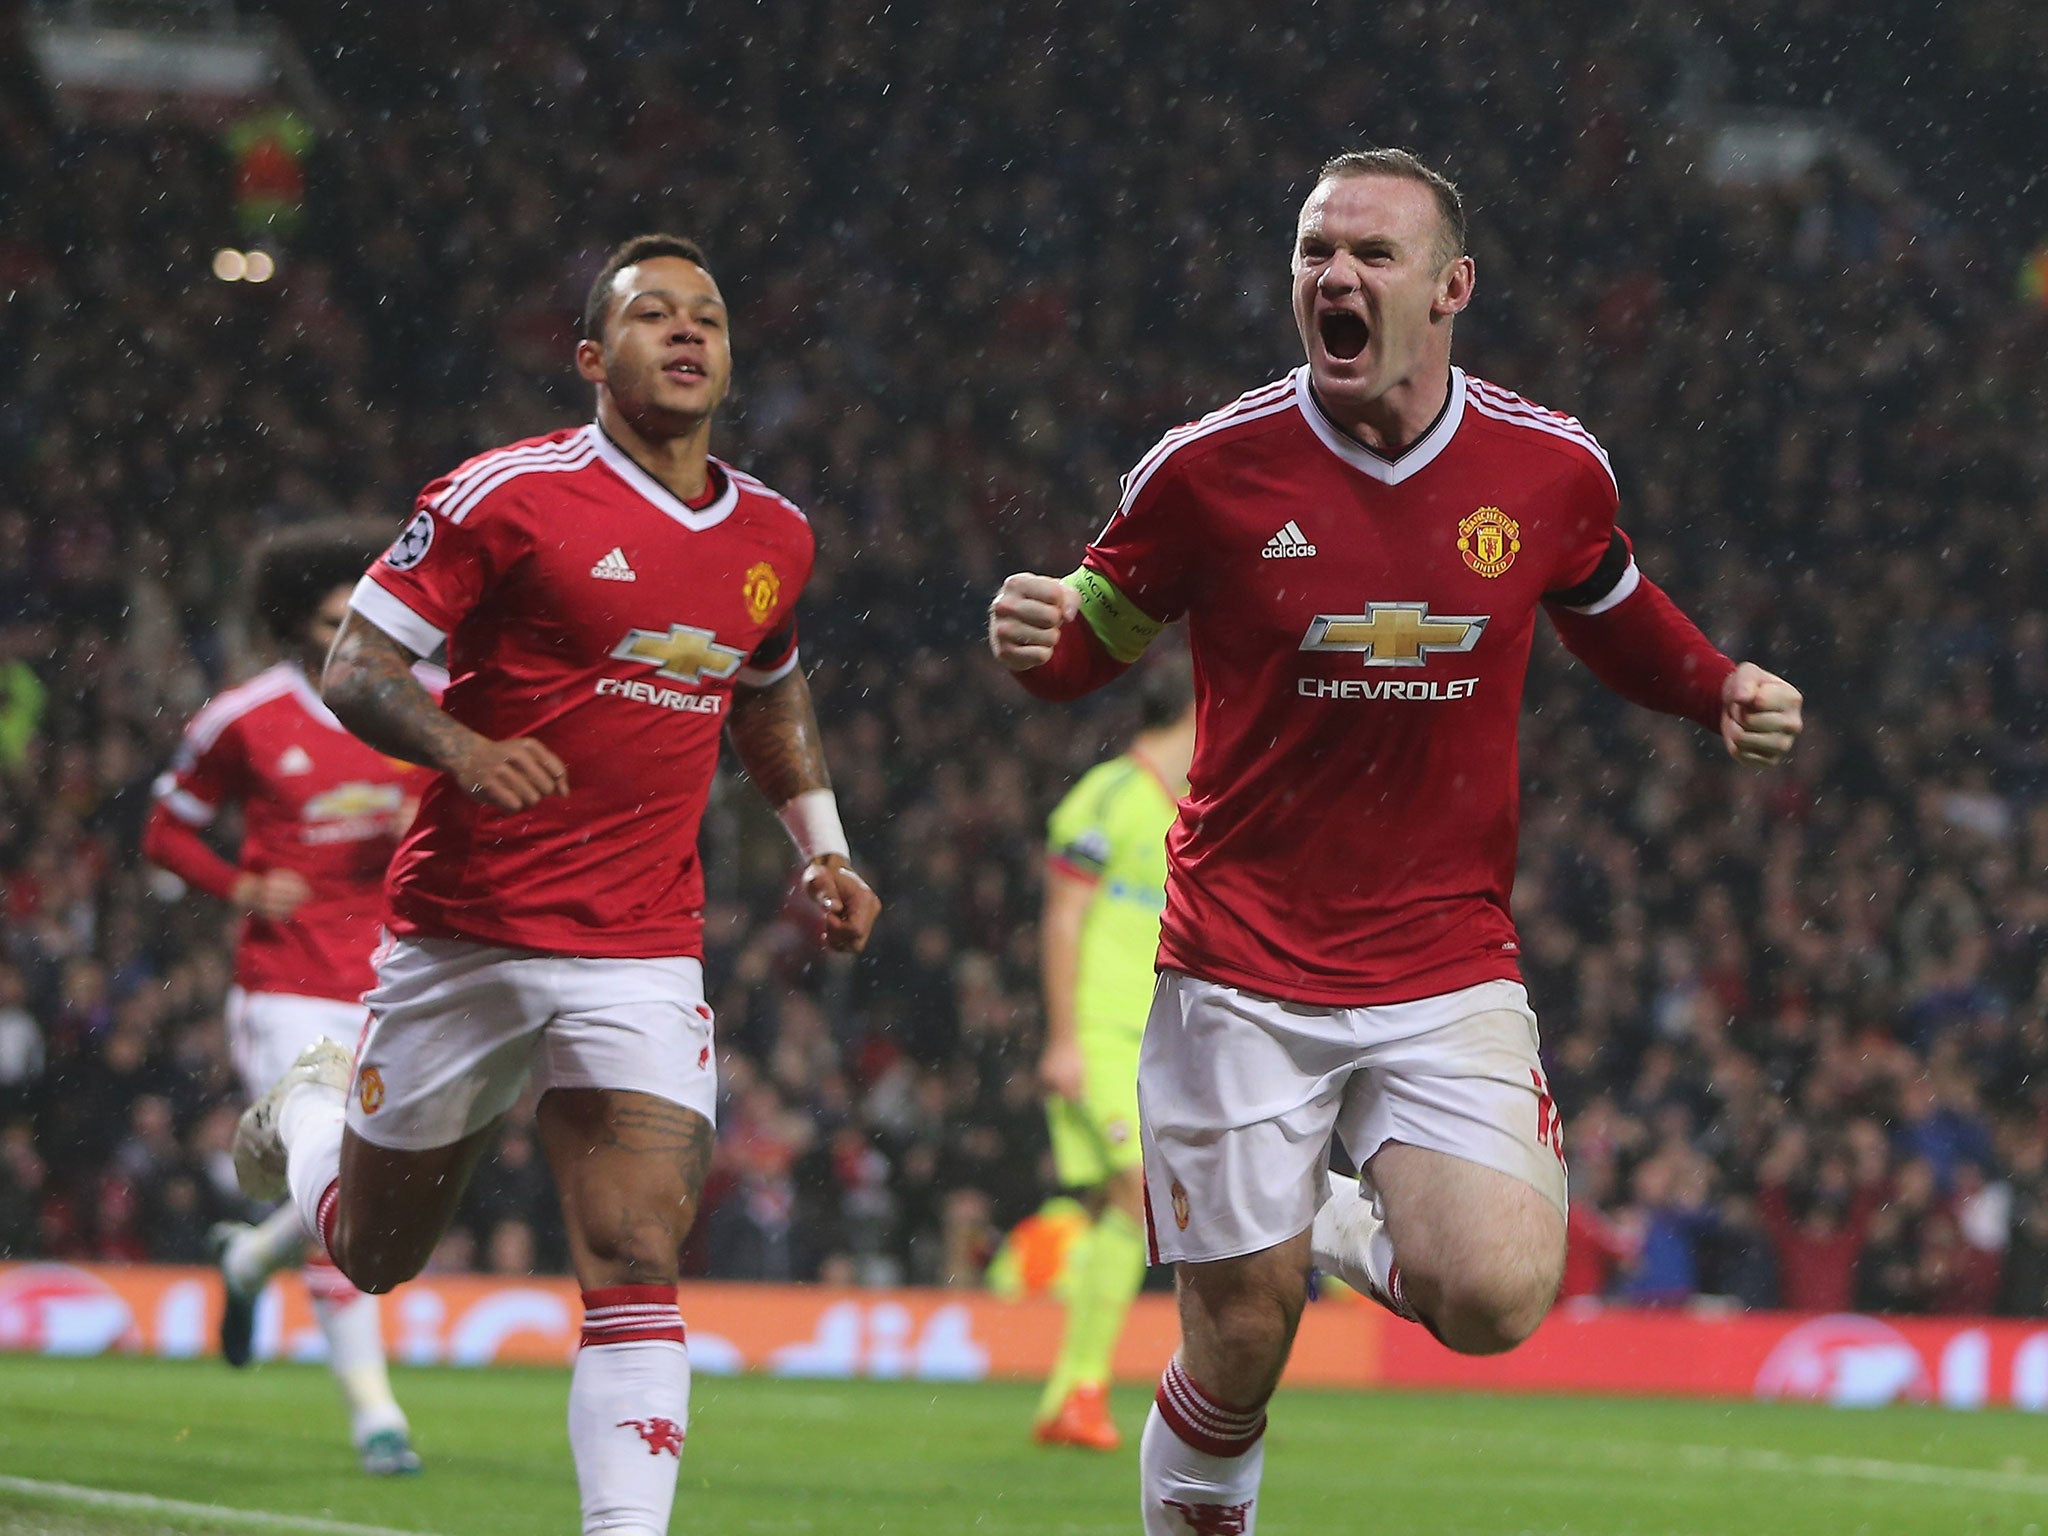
(1764, 148)
(126, 60)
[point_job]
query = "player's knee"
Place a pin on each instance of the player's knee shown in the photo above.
(1248, 1321)
(378, 1261)
(376, 1273)
(1490, 1313)
(1239, 1357)
(1254, 1331)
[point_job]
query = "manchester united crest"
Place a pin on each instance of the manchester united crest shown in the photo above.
(370, 1090)
(761, 588)
(1489, 540)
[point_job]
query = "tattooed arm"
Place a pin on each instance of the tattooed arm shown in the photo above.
(370, 687)
(775, 732)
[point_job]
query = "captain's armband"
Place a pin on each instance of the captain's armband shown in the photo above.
(1123, 628)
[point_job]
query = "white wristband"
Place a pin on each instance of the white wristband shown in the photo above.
(813, 822)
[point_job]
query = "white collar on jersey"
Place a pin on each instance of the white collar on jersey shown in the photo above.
(659, 496)
(308, 696)
(1413, 459)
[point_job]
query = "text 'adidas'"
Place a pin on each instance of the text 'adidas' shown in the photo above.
(1288, 544)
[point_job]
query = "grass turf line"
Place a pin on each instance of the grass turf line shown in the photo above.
(789, 1458)
(178, 1513)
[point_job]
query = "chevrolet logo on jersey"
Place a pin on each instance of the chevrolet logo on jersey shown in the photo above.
(1393, 634)
(686, 654)
(356, 799)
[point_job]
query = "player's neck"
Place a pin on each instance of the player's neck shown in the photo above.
(683, 464)
(1391, 423)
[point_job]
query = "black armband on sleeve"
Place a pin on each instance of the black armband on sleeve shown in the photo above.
(1606, 575)
(770, 652)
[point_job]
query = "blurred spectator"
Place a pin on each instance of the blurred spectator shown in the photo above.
(1887, 1270)
(1673, 1218)
(511, 1248)
(967, 1238)
(1597, 1246)
(1818, 1225)
(1741, 1261)
(176, 1214)
(512, 1189)
(2023, 1289)
(21, 1045)
(21, 1192)
(1954, 1274)
(752, 1230)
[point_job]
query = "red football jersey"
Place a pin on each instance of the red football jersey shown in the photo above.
(585, 605)
(315, 800)
(1360, 628)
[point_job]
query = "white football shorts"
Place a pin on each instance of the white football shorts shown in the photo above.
(456, 1029)
(267, 1030)
(1239, 1095)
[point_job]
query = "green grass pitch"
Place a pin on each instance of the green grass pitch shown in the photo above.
(213, 1453)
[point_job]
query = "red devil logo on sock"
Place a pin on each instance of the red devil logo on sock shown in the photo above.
(1213, 1519)
(662, 1435)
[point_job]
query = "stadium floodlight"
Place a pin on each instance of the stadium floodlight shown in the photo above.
(233, 266)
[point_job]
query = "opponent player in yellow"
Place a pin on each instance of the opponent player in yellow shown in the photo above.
(1105, 886)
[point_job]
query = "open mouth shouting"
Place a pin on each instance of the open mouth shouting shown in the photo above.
(1344, 334)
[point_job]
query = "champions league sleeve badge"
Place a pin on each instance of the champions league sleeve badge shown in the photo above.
(413, 544)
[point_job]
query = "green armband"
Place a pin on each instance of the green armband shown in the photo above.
(1122, 627)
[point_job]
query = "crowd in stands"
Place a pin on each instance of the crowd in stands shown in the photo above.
(979, 259)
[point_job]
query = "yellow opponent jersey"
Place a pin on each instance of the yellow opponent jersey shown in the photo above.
(1111, 830)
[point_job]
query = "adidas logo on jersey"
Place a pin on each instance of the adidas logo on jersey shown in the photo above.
(1288, 544)
(613, 567)
(296, 760)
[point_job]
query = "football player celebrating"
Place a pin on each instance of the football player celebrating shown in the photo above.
(611, 597)
(1359, 549)
(1105, 881)
(321, 815)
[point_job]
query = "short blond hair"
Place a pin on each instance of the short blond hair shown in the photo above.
(1450, 206)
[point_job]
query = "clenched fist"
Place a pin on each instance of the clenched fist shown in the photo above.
(1759, 716)
(1062, 1072)
(1024, 620)
(271, 894)
(848, 902)
(510, 775)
